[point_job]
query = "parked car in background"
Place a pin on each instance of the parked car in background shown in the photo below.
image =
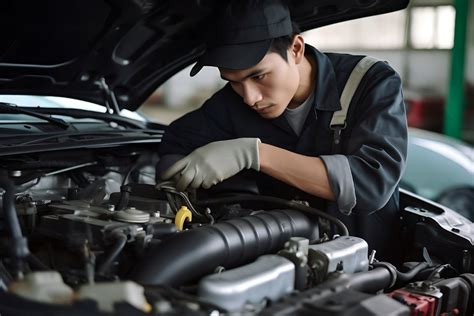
(85, 229)
(441, 169)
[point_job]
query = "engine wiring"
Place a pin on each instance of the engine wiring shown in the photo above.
(171, 194)
(175, 197)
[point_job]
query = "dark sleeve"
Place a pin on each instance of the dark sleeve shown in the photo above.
(209, 123)
(377, 143)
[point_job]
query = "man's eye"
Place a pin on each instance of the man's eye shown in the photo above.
(259, 77)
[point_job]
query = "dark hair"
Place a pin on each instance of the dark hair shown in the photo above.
(281, 44)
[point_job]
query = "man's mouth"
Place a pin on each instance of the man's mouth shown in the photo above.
(263, 109)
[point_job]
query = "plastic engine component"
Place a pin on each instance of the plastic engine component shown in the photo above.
(347, 253)
(341, 302)
(109, 293)
(420, 305)
(44, 286)
(269, 277)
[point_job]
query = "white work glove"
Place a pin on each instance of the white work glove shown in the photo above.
(214, 162)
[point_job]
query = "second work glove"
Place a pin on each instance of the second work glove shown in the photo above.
(214, 162)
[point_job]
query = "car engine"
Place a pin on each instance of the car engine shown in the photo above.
(90, 232)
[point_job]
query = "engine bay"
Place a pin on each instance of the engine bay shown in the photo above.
(92, 232)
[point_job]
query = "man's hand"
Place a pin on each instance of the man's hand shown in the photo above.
(214, 162)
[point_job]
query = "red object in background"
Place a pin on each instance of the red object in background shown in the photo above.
(420, 305)
(425, 112)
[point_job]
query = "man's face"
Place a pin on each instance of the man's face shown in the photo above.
(267, 87)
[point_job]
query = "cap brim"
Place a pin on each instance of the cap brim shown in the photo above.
(235, 57)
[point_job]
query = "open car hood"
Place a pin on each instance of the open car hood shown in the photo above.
(120, 51)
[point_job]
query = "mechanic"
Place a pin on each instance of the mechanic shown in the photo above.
(274, 117)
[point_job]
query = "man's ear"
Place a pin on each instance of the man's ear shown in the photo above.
(297, 48)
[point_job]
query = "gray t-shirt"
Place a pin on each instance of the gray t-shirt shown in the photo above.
(297, 116)
(337, 165)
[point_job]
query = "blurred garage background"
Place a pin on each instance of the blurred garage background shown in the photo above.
(430, 44)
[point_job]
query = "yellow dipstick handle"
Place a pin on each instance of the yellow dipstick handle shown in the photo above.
(184, 214)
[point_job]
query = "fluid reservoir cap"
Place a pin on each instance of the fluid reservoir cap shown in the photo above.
(132, 215)
(183, 215)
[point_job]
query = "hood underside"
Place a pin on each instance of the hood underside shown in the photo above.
(107, 50)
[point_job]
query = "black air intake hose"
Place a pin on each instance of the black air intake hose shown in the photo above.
(383, 276)
(191, 254)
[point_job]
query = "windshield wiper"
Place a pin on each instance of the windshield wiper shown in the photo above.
(59, 137)
(13, 108)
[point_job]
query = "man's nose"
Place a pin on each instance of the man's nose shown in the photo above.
(252, 95)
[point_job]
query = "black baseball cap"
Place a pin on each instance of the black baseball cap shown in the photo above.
(242, 37)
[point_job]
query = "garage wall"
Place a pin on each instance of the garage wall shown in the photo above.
(470, 46)
(421, 70)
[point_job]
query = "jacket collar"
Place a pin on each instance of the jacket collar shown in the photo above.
(326, 96)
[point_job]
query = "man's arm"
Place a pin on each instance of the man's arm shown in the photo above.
(307, 173)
